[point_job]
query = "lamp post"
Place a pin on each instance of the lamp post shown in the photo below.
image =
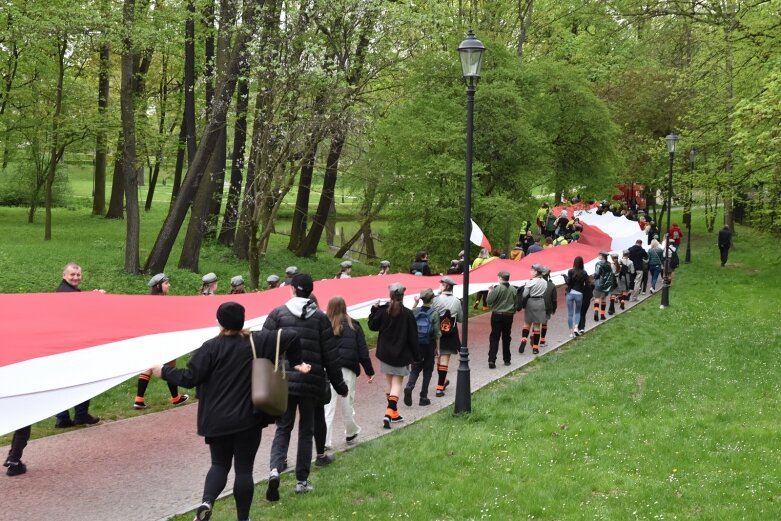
(672, 140)
(692, 159)
(471, 52)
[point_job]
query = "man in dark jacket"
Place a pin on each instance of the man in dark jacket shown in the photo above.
(305, 391)
(71, 280)
(639, 258)
(725, 243)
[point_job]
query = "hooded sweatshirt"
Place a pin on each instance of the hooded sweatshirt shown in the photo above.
(318, 347)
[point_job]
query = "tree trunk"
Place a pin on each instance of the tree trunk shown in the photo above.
(101, 140)
(163, 93)
(525, 9)
(116, 205)
(127, 107)
(189, 82)
(241, 242)
(62, 46)
(231, 217)
(309, 247)
(180, 150)
(301, 213)
(226, 86)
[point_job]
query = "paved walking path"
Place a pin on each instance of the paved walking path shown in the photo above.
(152, 466)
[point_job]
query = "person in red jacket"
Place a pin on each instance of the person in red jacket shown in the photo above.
(676, 235)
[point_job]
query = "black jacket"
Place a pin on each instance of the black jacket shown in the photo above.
(318, 347)
(222, 370)
(725, 238)
(636, 254)
(353, 351)
(397, 343)
(64, 287)
(420, 266)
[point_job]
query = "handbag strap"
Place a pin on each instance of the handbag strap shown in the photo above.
(252, 343)
(276, 356)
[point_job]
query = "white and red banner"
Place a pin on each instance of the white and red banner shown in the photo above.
(60, 349)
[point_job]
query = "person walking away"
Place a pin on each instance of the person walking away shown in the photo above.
(448, 307)
(227, 418)
(71, 283)
(14, 459)
(158, 285)
(397, 346)
(588, 294)
(551, 303)
(305, 390)
(575, 288)
(353, 354)
(655, 259)
(345, 270)
(639, 258)
(625, 278)
(427, 322)
(384, 267)
(532, 301)
(272, 281)
(615, 267)
(542, 212)
(604, 284)
(725, 243)
(501, 300)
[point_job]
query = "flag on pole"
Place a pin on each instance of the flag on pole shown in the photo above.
(478, 238)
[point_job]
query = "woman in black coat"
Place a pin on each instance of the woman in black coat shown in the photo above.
(397, 346)
(222, 372)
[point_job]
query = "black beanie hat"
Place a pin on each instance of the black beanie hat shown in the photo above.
(231, 316)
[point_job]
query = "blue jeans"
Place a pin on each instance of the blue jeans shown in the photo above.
(574, 302)
(655, 271)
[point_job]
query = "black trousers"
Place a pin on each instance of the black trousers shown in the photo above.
(426, 367)
(240, 449)
(724, 253)
(19, 442)
(501, 326)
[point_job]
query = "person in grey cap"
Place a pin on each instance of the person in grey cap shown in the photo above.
(158, 285)
(209, 284)
(448, 307)
(604, 284)
(289, 272)
(425, 317)
(345, 270)
(551, 303)
(384, 267)
(626, 276)
(237, 285)
(397, 346)
(272, 281)
(501, 300)
(533, 304)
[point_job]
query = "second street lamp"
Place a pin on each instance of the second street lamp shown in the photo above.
(672, 141)
(471, 52)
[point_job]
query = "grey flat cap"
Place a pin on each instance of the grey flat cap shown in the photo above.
(397, 288)
(448, 280)
(238, 280)
(157, 279)
(538, 268)
(346, 264)
(291, 270)
(272, 278)
(504, 275)
(427, 294)
(545, 271)
(385, 263)
(209, 278)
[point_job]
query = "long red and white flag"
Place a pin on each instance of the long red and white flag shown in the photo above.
(60, 349)
(478, 238)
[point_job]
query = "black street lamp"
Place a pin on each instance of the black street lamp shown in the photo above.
(692, 159)
(672, 140)
(471, 52)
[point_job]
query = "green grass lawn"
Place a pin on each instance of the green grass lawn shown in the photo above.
(657, 415)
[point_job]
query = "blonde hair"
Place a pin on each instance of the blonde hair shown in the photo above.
(336, 311)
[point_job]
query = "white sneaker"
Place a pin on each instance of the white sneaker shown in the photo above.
(302, 487)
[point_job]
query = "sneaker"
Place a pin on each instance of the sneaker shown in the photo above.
(204, 512)
(522, 347)
(408, 397)
(535, 351)
(602, 317)
(572, 335)
(596, 316)
(652, 291)
(543, 343)
(424, 401)
(180, 399)
(64, 424)
(272, 491)
(302, 487)
(447, 382)
(324, 460)
(351, 439)
(15, 468)
(86, 420)
(140, 405)
(491, 365)
(439, 393)
(397, 419)
(386, 421)
(622, 305)
(582, 332)
(506, 362)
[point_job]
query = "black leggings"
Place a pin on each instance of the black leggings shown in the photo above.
(241, 449)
